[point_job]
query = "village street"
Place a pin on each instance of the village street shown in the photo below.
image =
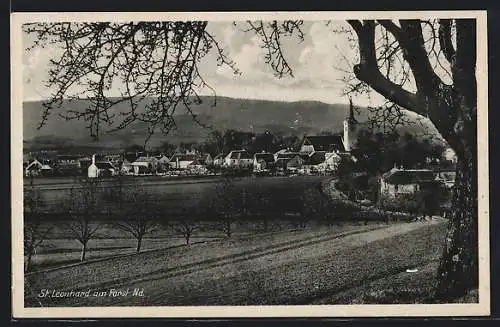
(290, 270)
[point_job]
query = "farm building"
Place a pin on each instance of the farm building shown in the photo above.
(405, 181)
(263, 161)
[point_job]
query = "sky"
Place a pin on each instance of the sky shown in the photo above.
(318, 64)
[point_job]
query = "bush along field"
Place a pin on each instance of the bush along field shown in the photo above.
(166, 231)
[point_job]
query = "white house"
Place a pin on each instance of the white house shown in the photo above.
(182, 160)
(145, 165)
(92, 170)
(239, 159)
(36, 168)
(399, 181)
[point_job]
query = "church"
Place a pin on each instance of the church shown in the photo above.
(351, 128)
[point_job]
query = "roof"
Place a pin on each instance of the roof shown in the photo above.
(197, 162)
(316, 158)
(36, 163)
(183, 157)
(145, 159)
(288, 155)
(104, 165)
(408, 176)
(328, 143)
(68, 157)
(163, 158)
(240, 154)
(267, 157)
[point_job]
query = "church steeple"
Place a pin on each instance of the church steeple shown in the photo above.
(349, 126)
(351, 118)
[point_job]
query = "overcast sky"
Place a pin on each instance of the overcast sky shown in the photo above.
(315, 63)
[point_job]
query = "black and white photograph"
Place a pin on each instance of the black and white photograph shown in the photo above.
(250, 164)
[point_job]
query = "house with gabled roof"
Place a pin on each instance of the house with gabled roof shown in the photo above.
(322, 161)
(182, 160)
(145, 165)
(399, 181)
(320, 143)
(263, 161)
(36, 168)
(239, 159)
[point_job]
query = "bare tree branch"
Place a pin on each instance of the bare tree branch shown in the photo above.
(445, 40)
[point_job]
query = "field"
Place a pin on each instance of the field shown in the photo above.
(270, 257)
(317, 265)
(189, 197)
(270, 204)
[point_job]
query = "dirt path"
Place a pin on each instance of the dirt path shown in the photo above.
(292, 272)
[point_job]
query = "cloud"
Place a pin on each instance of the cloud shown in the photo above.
(322, 62)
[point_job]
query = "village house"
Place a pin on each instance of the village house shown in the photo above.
(321, 161)
(197, 167)
(218, 160)
(100, 169)
(126, 167)
(182, 160)
(163, 162)
(68, 163)
(106, 168)
(145, 165)
(36, 168)
(447, 176)
(239, 159)
(115, 159)
(206, 159)
(326, 143)
(289, 161)
(399, 181)
(263, 161)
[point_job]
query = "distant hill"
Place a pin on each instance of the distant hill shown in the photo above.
(286, 118)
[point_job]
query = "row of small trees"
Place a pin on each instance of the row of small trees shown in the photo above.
(130, 209)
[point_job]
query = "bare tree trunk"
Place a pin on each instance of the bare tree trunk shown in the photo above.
(228, 229)
(458, 271)
(139, 242)
(84, 251)
(28, 261)
(187, 237)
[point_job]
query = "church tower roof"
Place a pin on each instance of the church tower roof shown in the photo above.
(352, 120)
